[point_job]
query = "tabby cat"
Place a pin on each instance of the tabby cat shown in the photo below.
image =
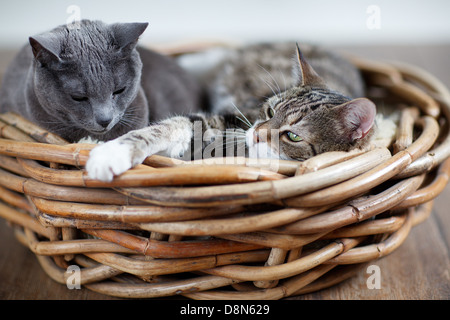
(85, 80)
(262, 94)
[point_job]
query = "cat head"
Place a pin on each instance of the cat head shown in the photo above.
(87, 76)
(308, 119)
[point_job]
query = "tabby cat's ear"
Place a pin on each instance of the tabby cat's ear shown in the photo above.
(45, 49)
(127, 35)
(306, 74)
(357, 117)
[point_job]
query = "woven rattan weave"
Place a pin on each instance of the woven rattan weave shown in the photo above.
(229, 228)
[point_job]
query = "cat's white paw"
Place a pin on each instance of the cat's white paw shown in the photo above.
(108, 160)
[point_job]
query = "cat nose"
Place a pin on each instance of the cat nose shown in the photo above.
(104, 121)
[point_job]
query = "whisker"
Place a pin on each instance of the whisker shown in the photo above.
(237, 137)
(284, 79)
(234, 140)
(271, 76)
(269, 85)
(243, 121)
(235, 134)
(247, 122)
(129, 119)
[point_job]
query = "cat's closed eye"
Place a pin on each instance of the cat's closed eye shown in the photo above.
(79, 98)
(117, 92)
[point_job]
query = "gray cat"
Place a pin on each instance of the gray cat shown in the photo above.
(92, 81)
(279, 107)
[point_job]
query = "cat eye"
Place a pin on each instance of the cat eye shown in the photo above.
(293, 137)
(115, 93)
(79, 98)
(270, 112)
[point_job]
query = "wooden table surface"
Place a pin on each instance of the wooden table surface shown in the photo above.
(419, 269)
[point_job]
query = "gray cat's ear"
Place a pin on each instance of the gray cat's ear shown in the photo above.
(45, 49)
(306, 75)
(357, 117)
(127, 35)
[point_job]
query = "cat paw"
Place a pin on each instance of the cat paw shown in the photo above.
(108, 160)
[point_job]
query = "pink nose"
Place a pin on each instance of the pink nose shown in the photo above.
(255, 137)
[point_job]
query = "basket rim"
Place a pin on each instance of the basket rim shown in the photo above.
(291, 207)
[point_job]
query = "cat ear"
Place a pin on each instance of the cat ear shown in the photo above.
(306, 74)
(45, 49)
(127, 35)
(358, 117)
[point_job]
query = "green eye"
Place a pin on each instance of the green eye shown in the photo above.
(293, 137)
(270, 112)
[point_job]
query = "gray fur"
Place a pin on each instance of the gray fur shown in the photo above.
(99, 66)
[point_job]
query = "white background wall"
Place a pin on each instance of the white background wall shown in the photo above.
(320, 21)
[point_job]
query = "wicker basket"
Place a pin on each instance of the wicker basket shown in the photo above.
(233, 231)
